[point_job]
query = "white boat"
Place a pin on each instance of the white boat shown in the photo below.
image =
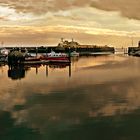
(4, 54)
(4, 51)
(74, 54)
(56, 57)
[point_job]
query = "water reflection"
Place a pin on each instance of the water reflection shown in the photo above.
(18, 72)
(100, 101)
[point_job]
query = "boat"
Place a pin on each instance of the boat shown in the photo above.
(4, 51)
(56, 57)
(74, 54)
(3, 58)
(137, 53)
(4, 55)
(32, 59)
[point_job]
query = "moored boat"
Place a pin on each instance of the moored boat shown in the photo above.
(74, 54)
(3, 58)
(4, 51)
(35, 58)
(4, 55)
(56, 57)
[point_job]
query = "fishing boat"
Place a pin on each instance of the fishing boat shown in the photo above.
(56, 57)
(32, 59)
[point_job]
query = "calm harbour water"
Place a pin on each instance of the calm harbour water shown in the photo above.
(94, 98)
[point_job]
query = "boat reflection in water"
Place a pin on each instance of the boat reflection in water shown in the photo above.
(18, 72)
(58, 66)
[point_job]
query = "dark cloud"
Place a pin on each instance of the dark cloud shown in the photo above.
(128, 8)
(42, 6)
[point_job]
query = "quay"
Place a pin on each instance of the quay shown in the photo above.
(68, 46)
(61, 53)
(82, 51)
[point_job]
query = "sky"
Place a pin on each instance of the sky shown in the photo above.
(43, 22)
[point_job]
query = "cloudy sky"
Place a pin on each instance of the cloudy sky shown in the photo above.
(44, 22)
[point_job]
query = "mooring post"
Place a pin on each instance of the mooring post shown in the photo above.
(47, 70)
(69, 55)
(70, 70)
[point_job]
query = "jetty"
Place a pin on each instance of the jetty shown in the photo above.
(66, 46)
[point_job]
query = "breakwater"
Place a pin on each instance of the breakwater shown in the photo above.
(80, 50)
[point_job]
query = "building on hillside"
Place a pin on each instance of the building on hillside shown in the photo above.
(68, 44)
(74, 44)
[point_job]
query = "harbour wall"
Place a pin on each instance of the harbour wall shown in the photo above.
(81, 50)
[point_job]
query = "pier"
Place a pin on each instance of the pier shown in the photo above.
(82, 50)
(22, 55)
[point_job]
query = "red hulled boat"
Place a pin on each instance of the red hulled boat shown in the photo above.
(56, 57)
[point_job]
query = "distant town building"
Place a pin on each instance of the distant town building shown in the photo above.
(67, 44)
(74, 44)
